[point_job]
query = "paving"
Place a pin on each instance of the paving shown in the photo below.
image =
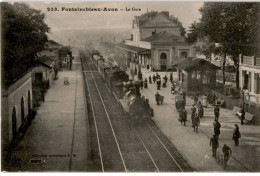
(57, 138)
(194, 147)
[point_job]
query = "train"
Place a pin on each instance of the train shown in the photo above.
(118, 83)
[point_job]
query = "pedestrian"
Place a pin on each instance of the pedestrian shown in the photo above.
(150, 79)
(173, 88)
(140, 75)
(157, 98)
(242, 115)
(200, 110)
(157, 75)
(216, 112)
(183, 116)
(214, 144)
(196, 99)
(158, 82)
(217, 127)
(165, 79)
(236, 135)
(205, 101)
(141, 83)
(213, 99)
(145, 83)
(195, 122)
(154, 78)
(137, 89)
(171, 78)
(227, 153)
(42, 95)
(193, 111)
(184, 97)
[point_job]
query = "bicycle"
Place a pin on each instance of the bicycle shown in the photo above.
(220, 158)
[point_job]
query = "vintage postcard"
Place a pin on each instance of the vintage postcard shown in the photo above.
(134, 86)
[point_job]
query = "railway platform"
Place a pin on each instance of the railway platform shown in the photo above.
(194, 147)
(57, 138)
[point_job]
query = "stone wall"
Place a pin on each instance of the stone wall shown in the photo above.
(11, 98)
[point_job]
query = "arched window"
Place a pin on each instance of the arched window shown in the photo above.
(14, 123)
(184, 54)
(22, 110)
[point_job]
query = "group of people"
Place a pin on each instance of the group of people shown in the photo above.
(214, 143)
(143, 84)
(156, 78)
(197, 112)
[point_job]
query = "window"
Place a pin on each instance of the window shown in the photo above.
(50, 50)
(249, 82)
(184, 54)
(198, 75)
(257, 83)
(38, 76)
(183, 77)
(206, 77)
(132, 37)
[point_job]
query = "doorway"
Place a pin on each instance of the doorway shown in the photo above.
(163, 61)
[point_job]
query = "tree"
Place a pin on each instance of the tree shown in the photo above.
(193, 33)
(231, 24)
(23, 35)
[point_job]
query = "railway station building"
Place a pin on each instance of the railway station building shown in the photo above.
(156, 42)
(195, 74)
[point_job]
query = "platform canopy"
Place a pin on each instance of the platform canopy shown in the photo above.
(133, 49)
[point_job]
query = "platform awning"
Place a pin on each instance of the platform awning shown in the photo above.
(133, 49)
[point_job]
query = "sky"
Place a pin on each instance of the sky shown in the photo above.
(186, 12)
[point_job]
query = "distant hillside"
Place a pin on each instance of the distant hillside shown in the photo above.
(81, 36)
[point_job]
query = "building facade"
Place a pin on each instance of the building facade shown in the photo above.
(16, 108)
(249, 76)
(51, 50)
(43, 71)
(161, 36)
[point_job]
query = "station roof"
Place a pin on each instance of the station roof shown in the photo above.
(165, 37)
(133, 49)
(191, 63)
(46, 61)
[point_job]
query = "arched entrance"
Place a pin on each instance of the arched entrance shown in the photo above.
(14, 123)
(29, 104)
(163, 61)
(22, 110)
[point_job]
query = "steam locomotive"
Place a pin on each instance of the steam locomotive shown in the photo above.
(118, 82)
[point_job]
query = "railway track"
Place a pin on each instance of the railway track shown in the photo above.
(117, 143)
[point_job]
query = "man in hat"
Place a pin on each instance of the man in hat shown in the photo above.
(157, 98)
(214, 144)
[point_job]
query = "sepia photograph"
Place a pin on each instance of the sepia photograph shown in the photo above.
(130, 86)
